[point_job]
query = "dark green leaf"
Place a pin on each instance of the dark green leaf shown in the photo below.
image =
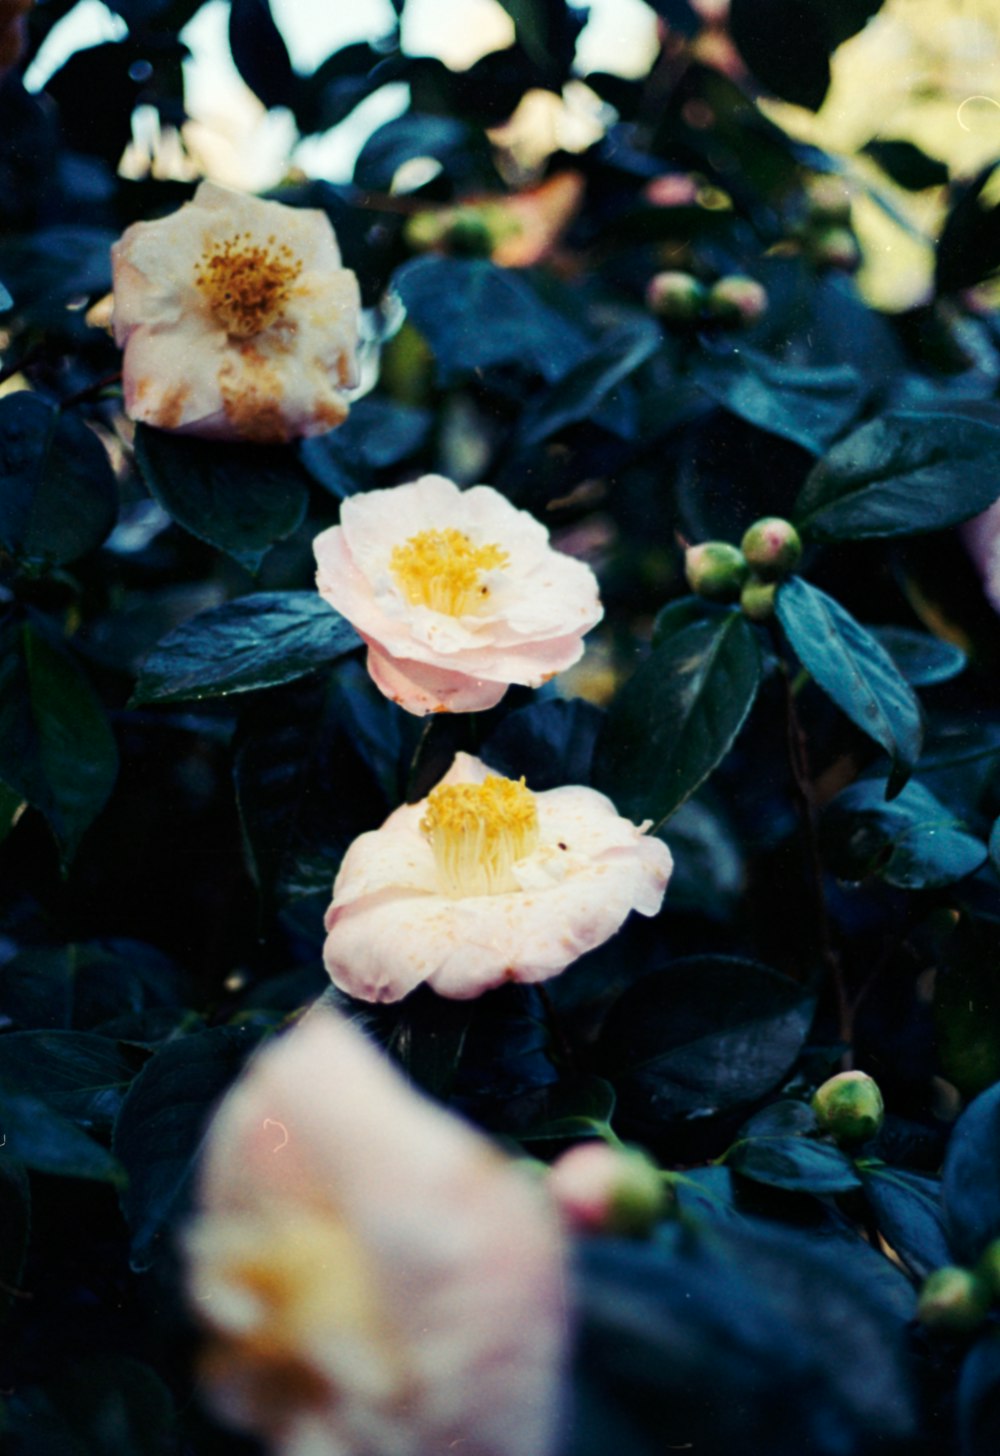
(578, 1108)
(922, 659)
(677, 716)
(907, 164)
(551, 742)
(979, 1397)
(703, 1035)
(968, 249)
(787, 43)
(809, 404)
(900, 475)
(255, 642)
(428, 1038)
(103, 1403)
(595, 389)
(909, 1215)
(161, 1123)
(78, 1074)
(475, 315)
(971, 1178)
(795, 1162)
(259, 52)
(994, 846)
(56, 748)
(967, 1028)
(913, 842)
(81, 986)
(240, 498)
(6, 302)
(49, 1143)
(58, 497)
(855, 671)
(378, 433)
(15, 1220)
(460, 150)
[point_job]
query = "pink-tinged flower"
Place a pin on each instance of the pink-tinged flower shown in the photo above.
(375, 1278)
(601, 1189)
(457, 593)
(484, 882)
(237, 319)
(982, 541)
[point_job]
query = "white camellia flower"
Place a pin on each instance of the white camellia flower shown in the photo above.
(237, 319)
(375, 1278)
(484, 882)
(457, 593)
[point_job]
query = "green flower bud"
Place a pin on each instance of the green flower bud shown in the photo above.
(836, 247)
(849, 1106)
(772, 547)
(715, 570)
(988, 1268)
(470, 236)
(829, 200)
(757, 600)
(736, 301)
(954, 1300)
(609, 1190)
(675, 296)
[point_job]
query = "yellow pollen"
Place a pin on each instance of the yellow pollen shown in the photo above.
(478, 832)
(443, 570)
(245, 284)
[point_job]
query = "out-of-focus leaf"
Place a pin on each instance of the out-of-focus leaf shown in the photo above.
(15, 1220)
(677, 716)
(967, 1029)
(56, 748)
(240, 498)
(787, 43)
(914, 842)
(855, 671)
(922, 659)
(106, 1403)
(902, 474)
(58, 497)
(979, 1397)
(551, 742)
(968, 249)
(259, 52)
(703, 1035)
(378, 433)
(255, 642)
(161, 1123)
(578, 1108)
(971, 1178)
(49, 1143)
(77, 1074)
(907, 164)
(79, 986)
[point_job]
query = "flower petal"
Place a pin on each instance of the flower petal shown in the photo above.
(422, 689)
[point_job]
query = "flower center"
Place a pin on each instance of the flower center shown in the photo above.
(443, 570)
(246, 284)
(478, 832)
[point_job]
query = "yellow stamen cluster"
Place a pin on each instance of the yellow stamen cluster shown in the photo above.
(443, 570)
(246, 284)
(478, 832)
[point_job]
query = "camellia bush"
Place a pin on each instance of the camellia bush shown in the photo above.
(499, 743)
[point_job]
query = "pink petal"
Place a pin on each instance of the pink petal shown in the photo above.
(422, 689)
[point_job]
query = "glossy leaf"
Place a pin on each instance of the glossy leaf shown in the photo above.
(56, 748)
(255, 642)
(240, 498)
(703, 1035)
(922, 659)
(594, 390)
(971, 1178)
(58, 496)
(902, 474)
(855, 671)
(909, 1215)
(913, 842)
(810, 405)
(47, 1142)
(78, 1074)
(677, 716)
(797, 1164)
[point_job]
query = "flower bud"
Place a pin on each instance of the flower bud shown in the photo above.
(737, 302)
(836, 247)
(715, 570)
(772, 547)
(607, 1190)
(829, 200)
(988, 1268)
(954, 1300)
(849, 1106)
(675, 296)
(470, 235)
(757, 600)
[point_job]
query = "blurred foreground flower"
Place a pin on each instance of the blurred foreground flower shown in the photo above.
(457, 593)
(237, 319)
(376, 1280)
(484, 882)
(982, 541)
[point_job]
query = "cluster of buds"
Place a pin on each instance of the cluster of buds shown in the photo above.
(682, 300)
(748, 573)
(825, 230)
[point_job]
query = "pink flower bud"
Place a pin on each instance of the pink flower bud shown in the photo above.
(606, 1190)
